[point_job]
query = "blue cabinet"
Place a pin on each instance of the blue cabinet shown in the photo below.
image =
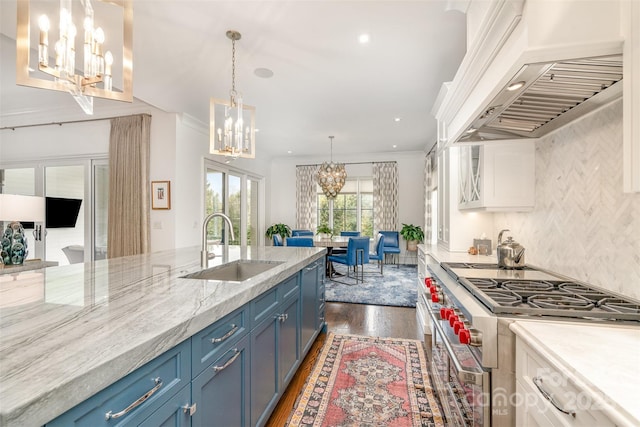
(275, 346)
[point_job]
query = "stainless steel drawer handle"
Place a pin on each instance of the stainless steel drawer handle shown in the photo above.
(158, 383)
(538, 382)
(233, 330)
(229, 362)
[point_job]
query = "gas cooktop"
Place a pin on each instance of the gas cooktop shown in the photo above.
(537, 293)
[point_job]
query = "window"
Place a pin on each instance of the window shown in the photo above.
(351, 210)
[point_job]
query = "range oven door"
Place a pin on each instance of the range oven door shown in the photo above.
(460, 380)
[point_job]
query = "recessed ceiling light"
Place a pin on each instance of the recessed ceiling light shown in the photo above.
(394, 146)
(256, 130)
(265, 73)
(515, 86)
(397, 119)
(363, 38)
(289, 152)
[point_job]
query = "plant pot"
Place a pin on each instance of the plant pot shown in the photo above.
(412, 245)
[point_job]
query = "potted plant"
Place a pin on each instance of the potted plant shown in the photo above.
(413, 234)
(281, 229)
(324, 232)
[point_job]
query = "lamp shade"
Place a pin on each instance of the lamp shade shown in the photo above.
(14, 207)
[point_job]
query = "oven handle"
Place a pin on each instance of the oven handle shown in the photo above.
(466, 377)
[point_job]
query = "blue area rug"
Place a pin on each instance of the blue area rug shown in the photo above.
(398, 286)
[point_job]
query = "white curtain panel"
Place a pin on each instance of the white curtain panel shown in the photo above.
(128, 219)
(385, 196)
(306, 200)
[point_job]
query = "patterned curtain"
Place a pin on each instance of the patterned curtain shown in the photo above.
(385, 196)
(306, 200)
(430, 171)
(128, 218)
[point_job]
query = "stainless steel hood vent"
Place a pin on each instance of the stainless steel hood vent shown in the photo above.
(548, 96)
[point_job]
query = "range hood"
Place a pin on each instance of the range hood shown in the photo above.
(542, 97)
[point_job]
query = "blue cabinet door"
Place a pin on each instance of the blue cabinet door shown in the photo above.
(309, 306)
(221, 391)
(288, 342)
(264, 370)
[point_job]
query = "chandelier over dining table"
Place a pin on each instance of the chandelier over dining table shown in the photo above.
(331, 176)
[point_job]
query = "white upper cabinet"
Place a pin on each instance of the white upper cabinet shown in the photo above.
(497, 176)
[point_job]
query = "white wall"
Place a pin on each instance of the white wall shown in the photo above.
(410, 184)
(583, 225)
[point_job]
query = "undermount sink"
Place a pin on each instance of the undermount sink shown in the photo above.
(235, 271)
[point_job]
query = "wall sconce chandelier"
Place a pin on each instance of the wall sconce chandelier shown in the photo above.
(99, 67)
(232, 123)
(331, 176)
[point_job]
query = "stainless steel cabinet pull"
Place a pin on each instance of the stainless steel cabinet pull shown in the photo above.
(229, 362)
(233, 330)
(141, 400)
(538, 382)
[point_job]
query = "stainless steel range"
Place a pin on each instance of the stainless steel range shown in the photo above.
(472, 350)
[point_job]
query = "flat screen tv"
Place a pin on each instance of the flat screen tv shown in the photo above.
(61, 212)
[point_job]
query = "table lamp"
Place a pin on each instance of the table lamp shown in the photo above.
(15, 208)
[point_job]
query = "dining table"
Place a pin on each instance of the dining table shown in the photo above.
(330, 243)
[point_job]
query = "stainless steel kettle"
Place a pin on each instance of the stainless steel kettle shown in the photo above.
(510, 253)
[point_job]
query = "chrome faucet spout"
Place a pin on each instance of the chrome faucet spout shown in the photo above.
(204, 254)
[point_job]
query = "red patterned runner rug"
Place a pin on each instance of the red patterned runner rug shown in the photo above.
(367, 381)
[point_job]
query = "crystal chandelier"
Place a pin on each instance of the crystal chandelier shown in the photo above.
(96, 78)
(232, 123)
(331, 176)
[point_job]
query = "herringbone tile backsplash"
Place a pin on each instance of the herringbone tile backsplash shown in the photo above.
(583, 225)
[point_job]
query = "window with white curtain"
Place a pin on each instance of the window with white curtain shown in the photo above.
(351, 210)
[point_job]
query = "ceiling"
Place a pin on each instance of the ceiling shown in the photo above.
(324, 81)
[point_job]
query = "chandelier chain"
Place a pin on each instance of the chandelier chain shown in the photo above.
(233, 68)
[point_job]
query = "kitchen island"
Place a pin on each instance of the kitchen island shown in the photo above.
(68, 332)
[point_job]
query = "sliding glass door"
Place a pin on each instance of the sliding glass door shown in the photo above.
(76, 194)
(238, 195)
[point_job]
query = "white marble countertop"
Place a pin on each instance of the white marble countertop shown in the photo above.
(603, 360)
(442, 255)
(68, 332)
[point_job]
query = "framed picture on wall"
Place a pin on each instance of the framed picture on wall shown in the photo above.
(160, 195)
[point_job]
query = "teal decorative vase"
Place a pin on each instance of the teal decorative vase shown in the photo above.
(14, 245)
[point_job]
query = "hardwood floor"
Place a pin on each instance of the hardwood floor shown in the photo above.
(356, 319)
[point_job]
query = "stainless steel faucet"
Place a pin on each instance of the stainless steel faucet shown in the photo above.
(204, 254)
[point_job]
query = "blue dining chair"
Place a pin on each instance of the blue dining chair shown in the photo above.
(342, 251)
(392, 244)
(277, 240)
(296, 233)
(303, 241)
(378, 255)
(357, 256)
